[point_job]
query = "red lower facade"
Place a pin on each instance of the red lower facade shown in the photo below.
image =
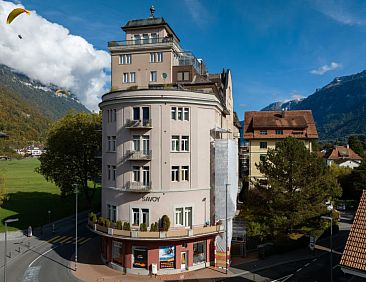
(158, 256)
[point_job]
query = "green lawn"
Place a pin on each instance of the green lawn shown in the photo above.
(30, 196)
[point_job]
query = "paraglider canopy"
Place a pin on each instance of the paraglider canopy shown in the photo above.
(16, 12)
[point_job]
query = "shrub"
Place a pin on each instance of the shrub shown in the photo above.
(93, 217)
(165, 222)
(143, 227)
(126, 226)
(101, 221)
(107, 223)
(119, 225)
(154, 227)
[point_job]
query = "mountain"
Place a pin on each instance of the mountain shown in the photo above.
(339, 108)
(277, 106)
(27, 107)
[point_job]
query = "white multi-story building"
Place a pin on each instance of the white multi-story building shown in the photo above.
(165, 122)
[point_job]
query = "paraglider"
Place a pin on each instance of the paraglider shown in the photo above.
(16, 12)
(20, 36)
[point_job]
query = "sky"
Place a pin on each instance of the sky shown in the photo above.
(276, 50)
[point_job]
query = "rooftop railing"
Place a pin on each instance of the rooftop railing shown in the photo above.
(142, 41)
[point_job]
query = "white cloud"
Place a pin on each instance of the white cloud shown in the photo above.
(197, 11)
(49, 53)
(341, 11)
(325, 68)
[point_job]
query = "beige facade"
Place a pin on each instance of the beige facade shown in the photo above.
(264, 129)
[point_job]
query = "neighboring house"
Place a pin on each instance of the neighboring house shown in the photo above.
(264, 129)
(343, 156)
(353, 259)
(170, 148)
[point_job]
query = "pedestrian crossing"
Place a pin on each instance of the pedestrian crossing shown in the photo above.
(67, 239)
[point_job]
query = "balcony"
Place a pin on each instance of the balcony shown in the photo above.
(139, 124)
(143, 42)
(139, 155)
(174, 234)
(141, 187)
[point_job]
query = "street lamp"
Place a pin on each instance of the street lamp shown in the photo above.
(226, 244)
(10, 220)
(76, 224)
(331, 244)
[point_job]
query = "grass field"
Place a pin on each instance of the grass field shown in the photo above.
(30, 196)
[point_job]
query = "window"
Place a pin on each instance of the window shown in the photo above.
(263, 145)
(175, 173)
(262, 157)
(136, 173)
(145, 38)
(199, 252)
(136, 113)
(279, 131)
(145, 113)
(111, 115)
(185, 173)
(186, 113)
(125, 77)
(156, 57)
(136, 143)
(135, 216)
(111, 140)
(137, 39)
(183, 76)
(146, 144)
(183, 216)
(117, 253)
(132, 77)
(112, 212)
(145, 216)
(154, 38)
(174, 112)
(263, 132)
(153, 76)
(109, 172)
(113, 172)
(139, 257)
(184, 143)
(125, 59)
(175, 143)
(146, 176)
(179, 216)
(180, 113)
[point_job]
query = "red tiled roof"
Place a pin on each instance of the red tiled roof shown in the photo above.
(298, 124)
(354, 254)
(342, 152)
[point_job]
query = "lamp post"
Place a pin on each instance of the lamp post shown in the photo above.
(10, 220)
(226, 226)
(49, 217)
(76, 224)
(331, 245)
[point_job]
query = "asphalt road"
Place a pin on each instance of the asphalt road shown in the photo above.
(48, 258)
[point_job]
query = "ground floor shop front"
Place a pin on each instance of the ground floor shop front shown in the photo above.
(158, 256)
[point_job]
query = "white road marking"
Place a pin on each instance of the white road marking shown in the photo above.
(283, 279)
(41, 255)
(299, 269)
(314, 260)
(306, 265)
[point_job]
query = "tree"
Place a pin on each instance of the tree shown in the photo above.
(70, 158)
(356, 145)
(357, 180)
(299, 184)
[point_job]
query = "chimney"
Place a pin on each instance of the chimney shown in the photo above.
(347, 146)
(283, 112)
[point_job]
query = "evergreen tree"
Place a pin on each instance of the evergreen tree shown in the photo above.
(299, 184)
(356, 145)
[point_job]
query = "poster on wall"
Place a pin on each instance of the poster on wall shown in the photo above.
(167, 256)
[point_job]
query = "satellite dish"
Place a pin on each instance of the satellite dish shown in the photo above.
(164, 75)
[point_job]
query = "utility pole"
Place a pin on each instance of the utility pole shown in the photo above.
(76, 224)
(226, 229)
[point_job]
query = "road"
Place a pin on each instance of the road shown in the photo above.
(48, 257)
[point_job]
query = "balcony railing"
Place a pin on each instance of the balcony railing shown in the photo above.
(162, 235)
(145, 124)
(139, 155)
(142, 41)
(133, 186)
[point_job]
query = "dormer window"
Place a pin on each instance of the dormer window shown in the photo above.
(263, 132)
(145, 38)
(154, 38)
(137, 39)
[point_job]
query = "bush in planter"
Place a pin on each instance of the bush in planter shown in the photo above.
(165, 223)
(93, 217)
(126, 226)
(107, 223)
(143, 227)
(119, 225)
(101, 221)
(154, 227)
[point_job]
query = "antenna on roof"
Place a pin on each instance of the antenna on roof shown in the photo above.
(152, 11)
